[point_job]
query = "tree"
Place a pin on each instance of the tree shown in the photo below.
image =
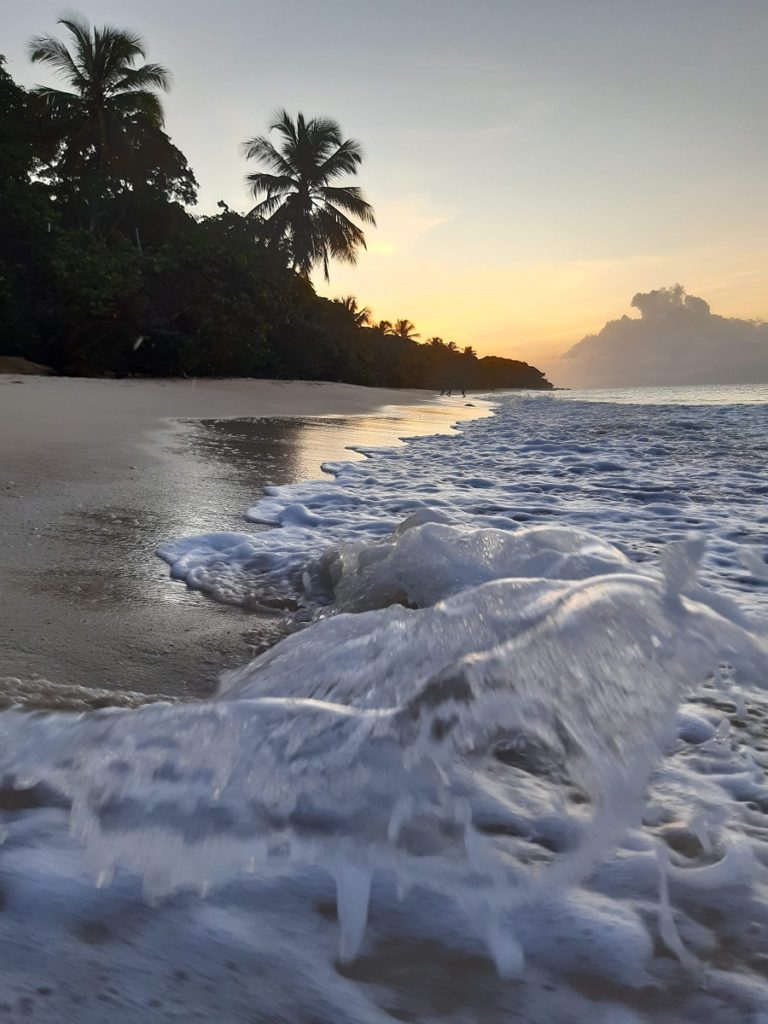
(361, 317)
(212, 295)
(404, 329)
(299, 202)
(108, 130)
(468, 352)
(17, 130)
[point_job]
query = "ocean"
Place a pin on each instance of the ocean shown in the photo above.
(508, 765)
(674, 394)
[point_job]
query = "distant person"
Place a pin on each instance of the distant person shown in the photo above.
(463, 392)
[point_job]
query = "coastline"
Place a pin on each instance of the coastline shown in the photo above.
(97, 473)
(260, 825)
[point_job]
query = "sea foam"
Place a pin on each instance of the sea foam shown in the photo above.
(500, 744)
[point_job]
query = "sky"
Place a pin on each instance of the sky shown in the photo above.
(533, 164)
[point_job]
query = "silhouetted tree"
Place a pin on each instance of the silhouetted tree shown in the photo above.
(361, 317)
(300, 204)
(207, 296)
(108, 130)
(18, 130)
(405, 329)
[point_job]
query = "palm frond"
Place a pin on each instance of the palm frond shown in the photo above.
(283, 123)
(323, 136)
(360, 317)
(350, 230)
(363, 317)
(405, 329)
(148, 76)
(124, 44)
(80, 30)
(260, 148)
(51, 51)
(270, 184)
(325, 128)
(114, 51)
(349, 198)
(345, 160)
(340, 236)
(269, 205)
(277, 224)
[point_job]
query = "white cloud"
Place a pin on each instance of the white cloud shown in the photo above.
(676, 340)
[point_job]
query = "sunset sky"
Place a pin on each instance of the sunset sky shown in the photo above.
(532, 165)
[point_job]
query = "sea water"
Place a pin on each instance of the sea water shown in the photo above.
(509, 765)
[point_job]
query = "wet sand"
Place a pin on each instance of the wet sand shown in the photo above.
(95, 474)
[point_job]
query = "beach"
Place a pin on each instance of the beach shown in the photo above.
(97, 473)
(505, 762)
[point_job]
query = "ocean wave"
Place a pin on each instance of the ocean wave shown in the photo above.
(636, 476)
(529, 745)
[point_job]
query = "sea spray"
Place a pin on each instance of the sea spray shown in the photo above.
(384, 741)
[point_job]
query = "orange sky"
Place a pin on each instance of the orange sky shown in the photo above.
(534, 310)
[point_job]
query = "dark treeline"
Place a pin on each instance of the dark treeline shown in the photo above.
(103, 270)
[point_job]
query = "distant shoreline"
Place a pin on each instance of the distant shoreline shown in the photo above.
(18, 366)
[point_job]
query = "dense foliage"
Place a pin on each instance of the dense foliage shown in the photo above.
(103, 270)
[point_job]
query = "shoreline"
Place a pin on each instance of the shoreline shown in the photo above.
(97, 473)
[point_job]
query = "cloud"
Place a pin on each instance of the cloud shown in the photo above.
(676, 340)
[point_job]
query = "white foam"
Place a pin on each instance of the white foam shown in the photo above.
(637, 477)
(475, 746)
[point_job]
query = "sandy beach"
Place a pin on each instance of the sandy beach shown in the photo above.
(94, 474)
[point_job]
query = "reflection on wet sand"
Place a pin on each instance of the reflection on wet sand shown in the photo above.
(90, 604)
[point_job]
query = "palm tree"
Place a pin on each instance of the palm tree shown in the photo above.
(469, 352)
(405, 329)
(112, 112)
(361, 317)
(299, 202)
(385, 326)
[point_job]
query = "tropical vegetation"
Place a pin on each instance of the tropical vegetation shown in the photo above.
(104, 269)
(106, 132)
(300, 206)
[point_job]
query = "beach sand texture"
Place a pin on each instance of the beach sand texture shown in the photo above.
(94, 474)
